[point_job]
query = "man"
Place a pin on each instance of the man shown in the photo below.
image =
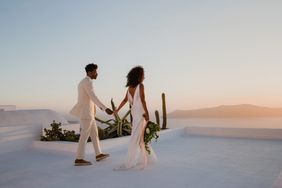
(85, 109)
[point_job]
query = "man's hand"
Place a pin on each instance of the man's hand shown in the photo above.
(109, 111)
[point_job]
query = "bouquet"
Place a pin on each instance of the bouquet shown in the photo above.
(151, 130)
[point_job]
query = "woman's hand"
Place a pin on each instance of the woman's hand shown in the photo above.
(146, 116)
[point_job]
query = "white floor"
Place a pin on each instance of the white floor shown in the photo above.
(184, 161)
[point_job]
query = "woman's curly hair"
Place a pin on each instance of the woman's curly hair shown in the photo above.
(134, 77)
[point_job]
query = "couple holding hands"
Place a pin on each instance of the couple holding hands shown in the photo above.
(85, 109)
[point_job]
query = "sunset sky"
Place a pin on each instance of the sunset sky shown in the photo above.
(200, 53)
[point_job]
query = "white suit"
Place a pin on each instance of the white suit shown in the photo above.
(85, 109)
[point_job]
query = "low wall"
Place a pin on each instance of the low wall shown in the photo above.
(20, 128)
(20, 137)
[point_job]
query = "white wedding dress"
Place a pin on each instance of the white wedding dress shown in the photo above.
(137, 156)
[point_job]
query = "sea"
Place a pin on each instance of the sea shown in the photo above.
(263, 122)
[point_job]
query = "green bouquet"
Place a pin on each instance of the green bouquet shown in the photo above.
(151, 131)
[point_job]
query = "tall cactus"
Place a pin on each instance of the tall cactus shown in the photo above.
(157, 117)
(164, 111)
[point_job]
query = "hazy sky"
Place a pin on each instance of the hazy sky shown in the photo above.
(200, 53)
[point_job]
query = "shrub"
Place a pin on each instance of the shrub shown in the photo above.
(56, 134)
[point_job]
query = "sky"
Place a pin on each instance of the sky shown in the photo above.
(200, 53)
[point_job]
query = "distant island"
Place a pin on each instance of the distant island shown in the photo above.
(228, 111)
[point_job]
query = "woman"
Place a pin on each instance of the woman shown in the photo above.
(137, 156)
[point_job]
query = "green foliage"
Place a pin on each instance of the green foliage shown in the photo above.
(151, 131)
(70, 136)
(101, 133)
(56, 134)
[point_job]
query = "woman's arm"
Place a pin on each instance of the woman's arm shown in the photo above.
(142, 95)
(123, 102)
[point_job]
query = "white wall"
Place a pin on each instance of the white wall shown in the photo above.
(7, 107)
(20, 128)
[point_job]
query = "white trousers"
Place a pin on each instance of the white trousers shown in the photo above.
(88, 128)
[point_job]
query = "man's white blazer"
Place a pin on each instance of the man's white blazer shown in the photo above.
(85, 106)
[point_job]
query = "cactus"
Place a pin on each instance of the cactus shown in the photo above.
(118, 126)
(164, 111)
(157, 117)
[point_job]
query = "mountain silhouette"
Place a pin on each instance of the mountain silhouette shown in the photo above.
(228, 111)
